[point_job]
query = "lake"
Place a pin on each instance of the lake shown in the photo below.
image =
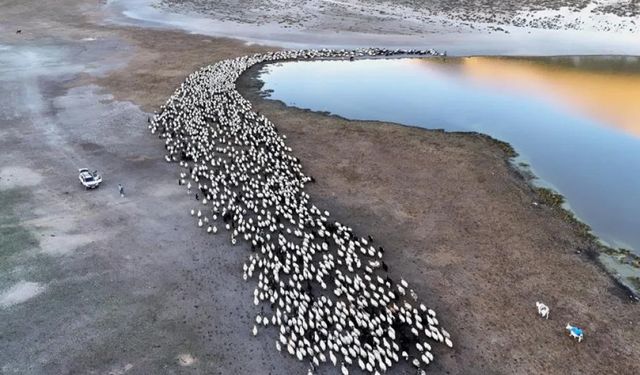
(575, 121)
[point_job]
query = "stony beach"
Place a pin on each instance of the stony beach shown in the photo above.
(94, 283)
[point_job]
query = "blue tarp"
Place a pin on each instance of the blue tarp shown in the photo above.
(576, 331)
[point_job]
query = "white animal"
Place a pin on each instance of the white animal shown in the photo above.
(543, 310)
(329, 287)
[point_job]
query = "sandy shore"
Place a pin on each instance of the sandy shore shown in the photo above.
(92, 283)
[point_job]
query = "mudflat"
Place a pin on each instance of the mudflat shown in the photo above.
(94, 283)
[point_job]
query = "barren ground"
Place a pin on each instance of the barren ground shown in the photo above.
(92, 283)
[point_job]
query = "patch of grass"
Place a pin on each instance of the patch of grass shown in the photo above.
(635, 281)
(550, 197)
(583, 229)
(555, 200)
(624, 256)
(504, 146)
(619, 251)
(14, 238)
(507, 148)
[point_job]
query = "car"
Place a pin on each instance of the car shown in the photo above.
(88, 179)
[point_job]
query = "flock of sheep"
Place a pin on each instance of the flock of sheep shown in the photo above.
(326, 289)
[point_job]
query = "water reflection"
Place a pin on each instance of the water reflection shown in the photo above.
(576, 121)
(593, 86)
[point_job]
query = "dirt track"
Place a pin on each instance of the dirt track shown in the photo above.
(111, 285)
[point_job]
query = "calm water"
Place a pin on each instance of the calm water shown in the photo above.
(576, 121)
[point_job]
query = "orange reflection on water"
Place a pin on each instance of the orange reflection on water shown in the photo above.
(612, 98)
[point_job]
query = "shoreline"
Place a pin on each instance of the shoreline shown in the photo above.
(251, 88)
(154, 294)
(518, 41)
(349, 177)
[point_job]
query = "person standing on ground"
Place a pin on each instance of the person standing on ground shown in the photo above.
(121, 190)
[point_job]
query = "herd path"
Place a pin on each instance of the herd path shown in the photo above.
(91, 283)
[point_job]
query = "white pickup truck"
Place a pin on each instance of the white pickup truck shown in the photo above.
(89, 180)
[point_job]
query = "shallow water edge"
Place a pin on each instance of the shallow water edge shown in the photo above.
(620, 264)
(519, 41)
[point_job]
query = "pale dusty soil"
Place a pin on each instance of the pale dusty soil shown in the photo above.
(132, 285)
